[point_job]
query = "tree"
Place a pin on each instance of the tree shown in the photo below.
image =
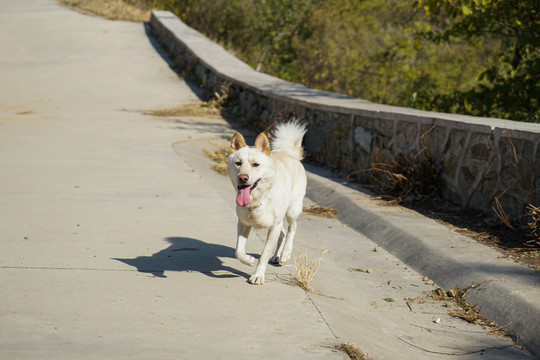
(511, 88)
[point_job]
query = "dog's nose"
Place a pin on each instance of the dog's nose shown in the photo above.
(243, 178)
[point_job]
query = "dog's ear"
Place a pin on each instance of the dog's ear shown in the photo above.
(237, 142)
(262, 143)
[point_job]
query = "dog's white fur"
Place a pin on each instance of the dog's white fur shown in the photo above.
(271, 183)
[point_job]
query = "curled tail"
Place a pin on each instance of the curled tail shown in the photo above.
(288, 138)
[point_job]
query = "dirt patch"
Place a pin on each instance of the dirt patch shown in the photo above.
(321, 211)
(515, 243)
(465, 311)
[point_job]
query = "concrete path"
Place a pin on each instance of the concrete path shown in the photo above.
(117, 239)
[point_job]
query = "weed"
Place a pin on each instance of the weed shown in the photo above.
(307, 269)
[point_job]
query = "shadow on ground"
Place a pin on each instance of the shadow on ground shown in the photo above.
(190, 255)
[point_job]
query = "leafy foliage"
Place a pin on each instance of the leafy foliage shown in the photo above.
(476, 57)
(510, 88)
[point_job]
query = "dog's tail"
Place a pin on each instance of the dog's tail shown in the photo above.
(288, 138)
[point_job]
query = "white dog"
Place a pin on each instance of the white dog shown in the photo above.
(270, 185)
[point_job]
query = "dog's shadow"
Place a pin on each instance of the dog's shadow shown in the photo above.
(187, 254)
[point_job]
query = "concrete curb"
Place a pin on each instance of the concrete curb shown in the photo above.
(505, 291)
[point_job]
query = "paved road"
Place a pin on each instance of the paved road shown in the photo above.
(117, 239)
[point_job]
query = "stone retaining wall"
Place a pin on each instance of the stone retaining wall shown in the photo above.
(481, 159)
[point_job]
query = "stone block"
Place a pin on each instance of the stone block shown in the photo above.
(450, 165)
(313, 140)
(434, 139)
(383, 126)
(363, 138)
(481, 147)
(516, 156)
(406, 137)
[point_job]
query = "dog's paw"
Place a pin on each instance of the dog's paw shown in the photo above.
(285, 257)
(257, 279)
(276, 260)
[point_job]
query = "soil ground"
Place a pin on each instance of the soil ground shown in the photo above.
(486, 229)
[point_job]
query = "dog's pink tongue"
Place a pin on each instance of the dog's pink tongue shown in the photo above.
(243, 196)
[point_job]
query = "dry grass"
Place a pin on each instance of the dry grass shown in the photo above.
(498, 209)
(133, 10)
(352, 351)
(220, 157)
(465, 311)
(531, 212)
(321, 211)
(534, 225)
(307, 269)
(411, 178)
(202, 109)
(222, 100)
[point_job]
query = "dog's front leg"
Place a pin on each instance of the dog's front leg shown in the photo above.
(243, 233)
(269, 248)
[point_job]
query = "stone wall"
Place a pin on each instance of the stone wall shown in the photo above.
(481, 159)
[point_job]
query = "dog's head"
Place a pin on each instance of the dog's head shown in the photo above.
(250, 168)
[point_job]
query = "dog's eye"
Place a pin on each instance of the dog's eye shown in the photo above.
(256, 164)
(238, 163)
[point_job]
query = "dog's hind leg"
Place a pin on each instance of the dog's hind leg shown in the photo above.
(288, 242)
(243, 233)
(269, 248)
(279, 251)
(287, 246)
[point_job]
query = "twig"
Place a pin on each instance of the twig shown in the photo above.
(409, 305)
(455, 353)
(316, 292)
(501, 327)
(499, 210)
